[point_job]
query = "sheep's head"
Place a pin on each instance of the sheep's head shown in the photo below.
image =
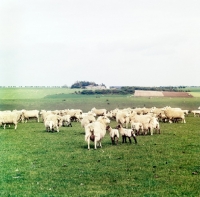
(108, 127)
(118, 126)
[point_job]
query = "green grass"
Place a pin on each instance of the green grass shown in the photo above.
(32, 93)
(36, 163)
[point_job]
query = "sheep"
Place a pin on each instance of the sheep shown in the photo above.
(74, 113)
(186, 112)
(96, 131)
(126, 133)
(66, 121)
(9, 118)
(44, 114)
(99, 112)
(53, 121)
(196, 112)
(143, 119)
(114, 133)
(122, 117)
(173, 114)
(137, 127)
(86, 120)
(26, 114)
(154, 125)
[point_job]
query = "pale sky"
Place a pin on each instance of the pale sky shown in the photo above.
(115, 42)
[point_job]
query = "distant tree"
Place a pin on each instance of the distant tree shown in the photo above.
(83, 84)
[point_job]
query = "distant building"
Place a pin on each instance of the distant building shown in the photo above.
(115, 87)
(91, 87)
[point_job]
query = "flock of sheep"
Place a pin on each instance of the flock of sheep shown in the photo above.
(130, 122)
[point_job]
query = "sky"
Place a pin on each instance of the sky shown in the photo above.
(115, 42)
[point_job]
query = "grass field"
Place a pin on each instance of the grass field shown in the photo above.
(61, 98)
(36, 163)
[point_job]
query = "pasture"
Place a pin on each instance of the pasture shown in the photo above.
(36, 163)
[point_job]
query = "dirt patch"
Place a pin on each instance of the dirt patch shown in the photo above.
(177, 94)
(148, 93)
(143, 93)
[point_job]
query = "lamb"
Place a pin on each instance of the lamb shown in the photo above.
(154, 125)
(143, 119)
(114, 133)
(126, 133)
(96, 131)
(137, 127)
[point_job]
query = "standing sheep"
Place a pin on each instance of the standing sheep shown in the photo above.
(114, 133)
(127, 133)
(96, 131)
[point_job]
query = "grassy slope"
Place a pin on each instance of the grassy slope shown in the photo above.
(60, 98)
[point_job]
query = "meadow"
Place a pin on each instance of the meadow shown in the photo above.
(36, 163)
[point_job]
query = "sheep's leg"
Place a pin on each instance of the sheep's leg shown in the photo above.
(88, 143)
(130, 140)
(123, 139)
(112, 140)
(117, 140)
(100, 144)
(4, 126)
(15, 126)
(95, 143)
(134, 137)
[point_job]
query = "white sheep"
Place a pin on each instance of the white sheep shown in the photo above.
(66, 120)
(196, 112)
(126, 133)
(96, 131)
(99, 112)
(53, 122)
(9, 118)
(114, 133)
(137, 127)
(27, 114)
(174, 114)
(122, 117)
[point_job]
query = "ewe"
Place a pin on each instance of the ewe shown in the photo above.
(95, 131)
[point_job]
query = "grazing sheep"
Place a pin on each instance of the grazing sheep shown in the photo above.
(99, 112)
(114, 133)
(66, 121)
(196, 112)
(53, 122)
(27, 114)
(126, 133)
(172, 114)
(9, 118)
(96, 131)
(137, 127)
